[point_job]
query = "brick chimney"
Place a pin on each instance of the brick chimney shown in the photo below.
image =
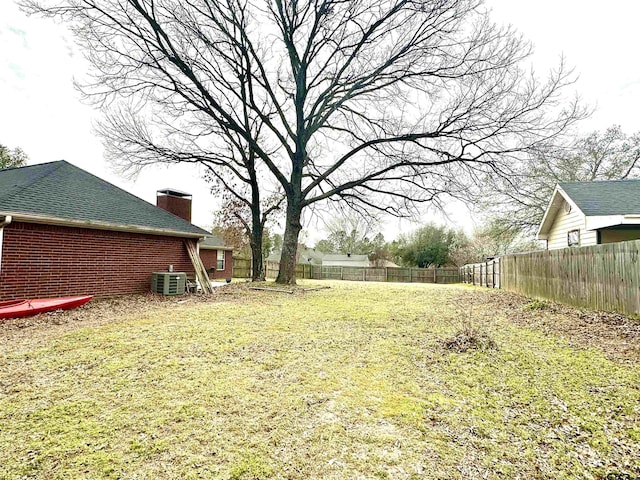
(175, 201)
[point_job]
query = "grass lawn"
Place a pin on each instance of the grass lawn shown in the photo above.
(349, 382)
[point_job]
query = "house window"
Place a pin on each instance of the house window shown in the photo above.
(220, 263)
(573, 238)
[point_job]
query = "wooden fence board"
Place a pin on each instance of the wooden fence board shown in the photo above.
(599, 277)
(241, 267)
(372, 274)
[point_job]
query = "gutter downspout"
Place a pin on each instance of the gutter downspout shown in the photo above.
(6, 221)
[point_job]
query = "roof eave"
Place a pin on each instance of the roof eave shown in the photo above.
(597, 222)
(215, 247)
(66, 222)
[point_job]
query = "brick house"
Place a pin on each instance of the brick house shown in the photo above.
(216, 257)
(66, 232)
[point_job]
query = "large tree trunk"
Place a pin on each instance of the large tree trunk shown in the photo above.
(257, 260)
(287, 272)
(257, 227)
(293, 225)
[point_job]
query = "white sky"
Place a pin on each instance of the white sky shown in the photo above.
(41, 112)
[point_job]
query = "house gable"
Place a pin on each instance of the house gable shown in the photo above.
(563, 209)
(568, 219)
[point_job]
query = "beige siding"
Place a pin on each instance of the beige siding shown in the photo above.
(610, 236)
(564, 223)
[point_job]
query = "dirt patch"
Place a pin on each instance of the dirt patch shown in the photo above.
(616, 335)
(101, 311)
(469, 338)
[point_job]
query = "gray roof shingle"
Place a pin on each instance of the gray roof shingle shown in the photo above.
(213, 242)
(64, 191)
(610, 197)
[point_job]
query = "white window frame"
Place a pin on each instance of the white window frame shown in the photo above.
(220, 261)
(576, 243)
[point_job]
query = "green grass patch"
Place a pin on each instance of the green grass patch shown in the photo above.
(349, 382)
(536, 305)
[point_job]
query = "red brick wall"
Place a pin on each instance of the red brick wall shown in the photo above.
(210, 259)
(177, 205)
(49, 261)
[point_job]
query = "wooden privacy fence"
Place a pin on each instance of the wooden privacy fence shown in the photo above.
(485, 274)
(241, 267)
(372, 274)
(598, 277)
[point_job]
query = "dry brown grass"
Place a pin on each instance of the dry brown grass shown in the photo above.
(351, 382)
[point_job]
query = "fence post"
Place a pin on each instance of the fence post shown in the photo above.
(410, 275)
(435, 275)
(493, 272)
(386, 274)
(364, 274)
(341, 273)
(486, 274)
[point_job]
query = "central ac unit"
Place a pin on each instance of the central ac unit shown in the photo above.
(168, 283)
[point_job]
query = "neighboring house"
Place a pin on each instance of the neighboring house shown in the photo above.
(309, 256)
(66, 232)
(306, 256)
(216, 257)
(386, 264)
(348, 260)
(591, 213)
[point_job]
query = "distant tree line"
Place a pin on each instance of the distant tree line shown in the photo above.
(428, 246)
(12, 158)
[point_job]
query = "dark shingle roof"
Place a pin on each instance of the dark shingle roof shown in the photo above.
(64, 191)
(612, 197)
(213, 242)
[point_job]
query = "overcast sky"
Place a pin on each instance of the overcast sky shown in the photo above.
(41, 112)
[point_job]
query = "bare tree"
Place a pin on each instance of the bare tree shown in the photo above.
(518, 203)
(230, 164)
(383, 104)
(235, 218)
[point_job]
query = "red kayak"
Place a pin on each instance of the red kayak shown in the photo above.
(24, 308)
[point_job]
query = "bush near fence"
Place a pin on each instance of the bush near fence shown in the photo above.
(599, 277)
